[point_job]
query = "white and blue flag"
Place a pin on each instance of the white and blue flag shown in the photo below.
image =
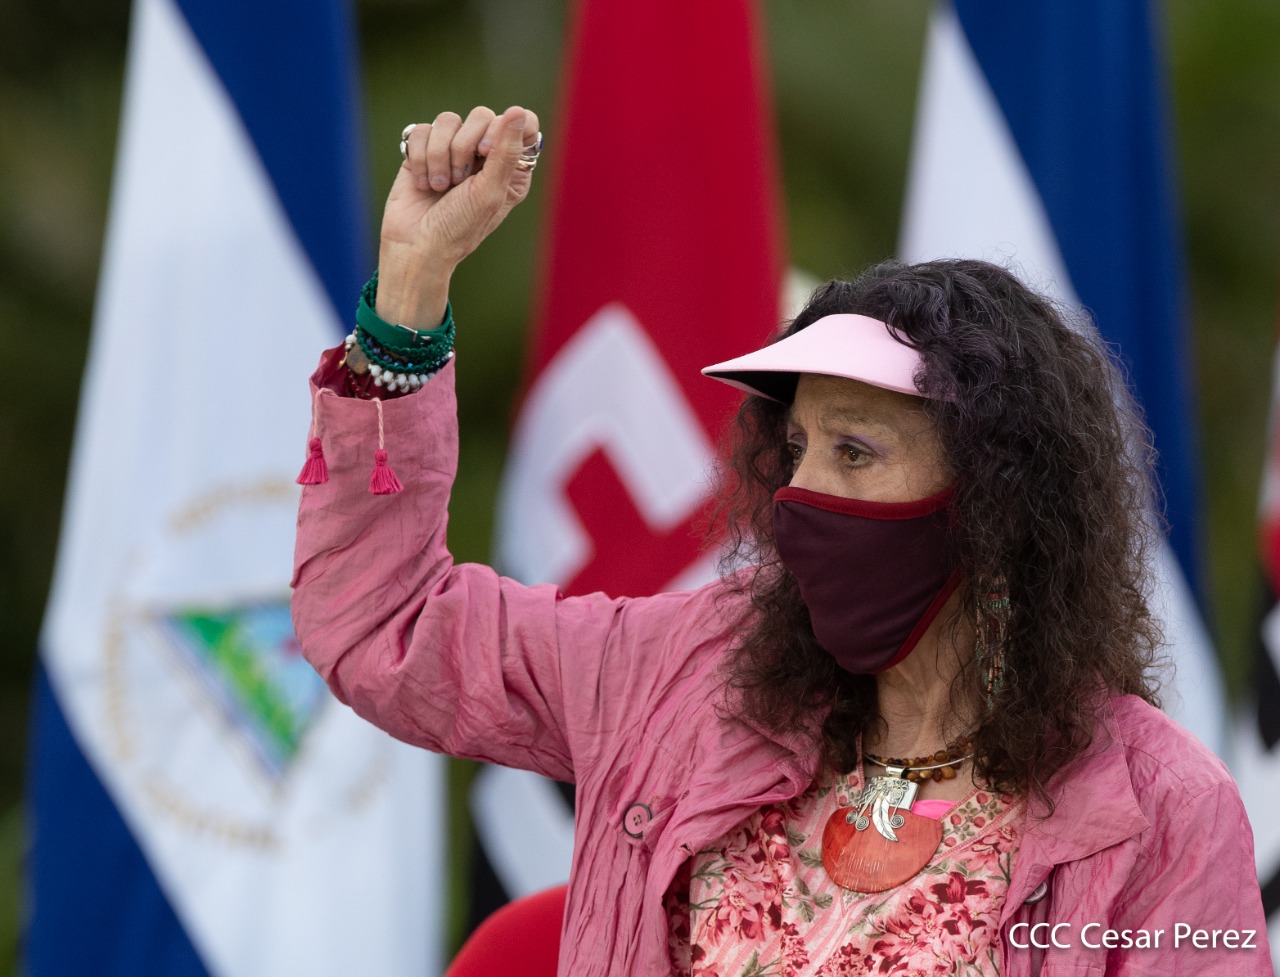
(1043, 143)
(199, 804)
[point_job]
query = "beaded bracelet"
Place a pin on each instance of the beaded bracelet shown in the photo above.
(397, 357)
(385, 373)
(418, 362)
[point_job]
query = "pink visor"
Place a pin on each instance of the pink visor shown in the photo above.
(856, 347)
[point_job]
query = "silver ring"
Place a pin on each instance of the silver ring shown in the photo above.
(404, 139)
(529, 158)
(530, 154)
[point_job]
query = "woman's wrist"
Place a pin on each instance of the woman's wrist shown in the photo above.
(389, 354)
(413, 290)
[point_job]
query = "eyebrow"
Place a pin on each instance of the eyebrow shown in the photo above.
(848, 415)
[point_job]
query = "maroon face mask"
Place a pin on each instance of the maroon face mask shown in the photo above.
(874, 575)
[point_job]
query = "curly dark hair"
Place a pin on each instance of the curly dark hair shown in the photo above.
(1053, 497)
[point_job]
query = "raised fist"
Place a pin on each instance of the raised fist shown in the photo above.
(457, 183)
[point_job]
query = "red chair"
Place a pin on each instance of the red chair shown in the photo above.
(522, 937)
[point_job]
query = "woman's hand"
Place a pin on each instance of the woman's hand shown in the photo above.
(458, 183)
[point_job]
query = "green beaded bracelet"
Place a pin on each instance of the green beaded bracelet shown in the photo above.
(402, 339)
(422, 361)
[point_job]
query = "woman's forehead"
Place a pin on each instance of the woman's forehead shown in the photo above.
(825, 399)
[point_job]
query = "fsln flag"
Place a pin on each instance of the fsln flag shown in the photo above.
(662, 255)
(199, 803)
(651, 272)
(1256, 739)
(1042, 142)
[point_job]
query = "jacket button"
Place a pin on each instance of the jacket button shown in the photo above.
(636, 817)
(1038, 893)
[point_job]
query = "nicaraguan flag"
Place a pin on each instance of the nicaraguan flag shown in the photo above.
(199, 803)
(1042, 140)
(1256, 736)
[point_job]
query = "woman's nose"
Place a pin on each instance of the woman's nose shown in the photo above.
(809, 474)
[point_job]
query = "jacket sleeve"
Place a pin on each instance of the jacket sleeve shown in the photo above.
(453, 658)
(1194, 877)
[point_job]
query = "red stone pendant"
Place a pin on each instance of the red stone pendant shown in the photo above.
(871, 857)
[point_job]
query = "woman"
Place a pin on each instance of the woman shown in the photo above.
(915, 722)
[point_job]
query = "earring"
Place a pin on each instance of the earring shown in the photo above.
(992, 629)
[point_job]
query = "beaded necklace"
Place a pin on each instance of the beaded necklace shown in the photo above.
(938, 766)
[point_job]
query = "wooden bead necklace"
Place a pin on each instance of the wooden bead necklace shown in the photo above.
(938, 766)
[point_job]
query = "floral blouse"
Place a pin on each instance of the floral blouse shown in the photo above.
(758, 903)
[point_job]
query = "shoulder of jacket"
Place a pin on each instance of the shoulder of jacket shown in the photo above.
(1167, 764)
(675, 639)
(700, 619)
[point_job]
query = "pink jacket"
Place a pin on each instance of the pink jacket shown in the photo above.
(620, 696)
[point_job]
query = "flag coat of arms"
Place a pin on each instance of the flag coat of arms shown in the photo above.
(199, 803)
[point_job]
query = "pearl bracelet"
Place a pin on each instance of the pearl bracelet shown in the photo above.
(358, 359)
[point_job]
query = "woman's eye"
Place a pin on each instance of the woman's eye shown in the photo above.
(854, 453)
(794, 452)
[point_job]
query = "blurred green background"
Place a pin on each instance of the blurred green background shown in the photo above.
(845, 76)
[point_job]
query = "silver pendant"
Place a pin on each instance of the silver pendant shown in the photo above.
(882, 797)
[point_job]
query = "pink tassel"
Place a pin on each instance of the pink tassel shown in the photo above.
(315, 471)
(384, 481)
